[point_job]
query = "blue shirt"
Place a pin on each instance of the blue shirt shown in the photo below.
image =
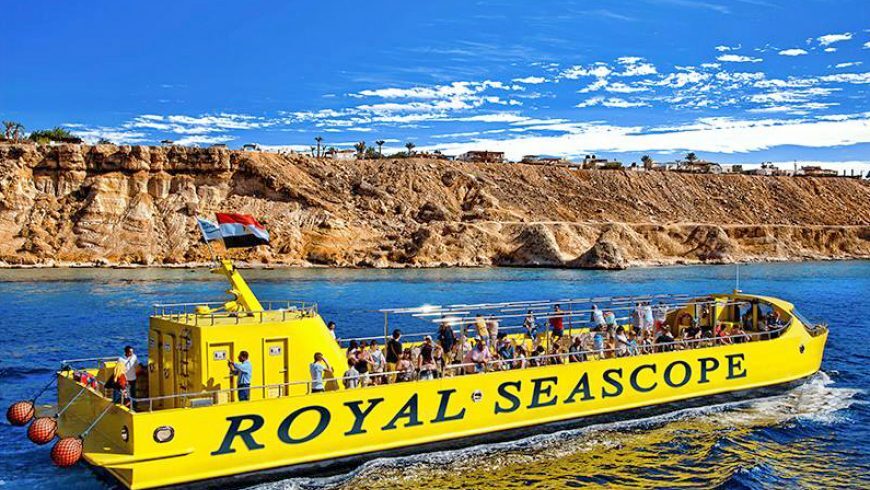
(243, 370)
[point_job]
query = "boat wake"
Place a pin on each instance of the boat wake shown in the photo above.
(679, 449)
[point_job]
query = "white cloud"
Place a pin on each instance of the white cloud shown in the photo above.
(504, 117)
(621, 88)
(594, 86)
(719, 136)
(711, 66)
(681, 79)
(203, 140)
(638, 70)
(828, 39)
(784, 96)
(867, 45)
(115, 135)
(793, 52)
(830, 50)
(723, 48)
(848, 64)
(614, 102)
(736, 58)
(856, 78)
(599, 70)
(530, 80)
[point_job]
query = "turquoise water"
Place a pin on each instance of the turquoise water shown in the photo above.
(812, 437)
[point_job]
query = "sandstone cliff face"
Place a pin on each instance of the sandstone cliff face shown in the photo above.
(109, 204)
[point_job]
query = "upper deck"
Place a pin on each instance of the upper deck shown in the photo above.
(215, 313)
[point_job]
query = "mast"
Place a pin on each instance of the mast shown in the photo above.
(244, 299)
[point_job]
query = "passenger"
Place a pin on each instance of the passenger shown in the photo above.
(446, 338)
(633, 348)
(610, 320)
(363, 363)
(118, 381)
(747, 319)
(317, 368)
(646, 343)
(621, 342)
(379, 362)
(647, 316)
(468, 362)
(131, 363)
(482, 331)
(722, 335)
(598, 344)
(530, 326)
(405, 367)
(557, 322)
(537, 356)
(352, 350)
(480, 356)
(520, 358)
(394, 353)
(610, 345)
(351, 376)
(692, 335)
(636, 317)
(665, 341)
(597, 318)
(661, 314)
(492, 325)
(557, 355)
(331, 327)
(438, 355)
(740, 335)
(576, 350)
(243, 370)
(426, 360)
(506, 353)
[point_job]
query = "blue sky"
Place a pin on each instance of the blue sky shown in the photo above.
(739, 81)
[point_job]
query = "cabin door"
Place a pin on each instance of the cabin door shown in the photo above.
(275, 368)
(219, 377)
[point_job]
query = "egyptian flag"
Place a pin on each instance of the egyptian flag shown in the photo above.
(241, 230)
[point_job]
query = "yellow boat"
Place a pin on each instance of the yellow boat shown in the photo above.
(186, 424)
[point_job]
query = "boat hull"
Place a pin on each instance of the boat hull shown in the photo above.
(328, 432)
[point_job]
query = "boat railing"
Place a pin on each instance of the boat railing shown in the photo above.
(531, 362)
(212, 312)
(576, 319)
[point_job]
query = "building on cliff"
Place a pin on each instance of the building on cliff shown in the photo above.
(817, 171)
(545, 160)
(343, 155)
(482, 156)
(592, 162)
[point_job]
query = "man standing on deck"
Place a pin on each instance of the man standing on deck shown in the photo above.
(317, 368)
(131, 362)
(394, 352)
(243, 370)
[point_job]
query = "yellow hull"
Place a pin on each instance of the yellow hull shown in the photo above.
(265, 434)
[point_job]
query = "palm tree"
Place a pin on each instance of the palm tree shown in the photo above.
(360, 148)
(312, 151)
(380, 144)
(691, 157)
(410, 146)
(13, 130)
(647, 162)
(318, 139)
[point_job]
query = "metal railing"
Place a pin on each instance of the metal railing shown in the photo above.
(461, 368)
(187, 312)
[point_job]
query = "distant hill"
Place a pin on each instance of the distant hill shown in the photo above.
(107, 204)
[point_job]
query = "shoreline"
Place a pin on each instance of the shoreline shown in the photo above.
(651, 264)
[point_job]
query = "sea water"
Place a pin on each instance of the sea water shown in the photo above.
(815, 436)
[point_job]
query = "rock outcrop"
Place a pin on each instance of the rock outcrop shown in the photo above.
(107, 204)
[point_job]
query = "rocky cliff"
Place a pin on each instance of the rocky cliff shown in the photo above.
(106, 204)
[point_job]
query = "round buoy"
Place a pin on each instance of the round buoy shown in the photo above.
(42, 430)
(67, 452)
(20, 413)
